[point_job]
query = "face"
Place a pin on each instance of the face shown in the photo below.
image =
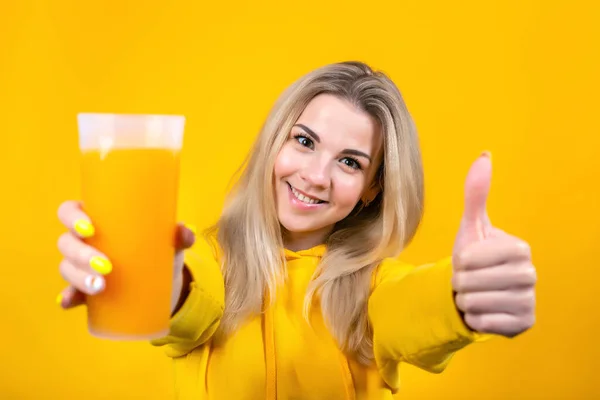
(327, 165)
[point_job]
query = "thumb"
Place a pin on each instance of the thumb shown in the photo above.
(476, 224)
(70, 297)
(185, 236)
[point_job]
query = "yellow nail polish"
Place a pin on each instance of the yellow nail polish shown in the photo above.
(59, 299)
(101, 265)
(84, 228)
(191, 228)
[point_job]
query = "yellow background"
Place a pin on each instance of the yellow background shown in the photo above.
(519, 78)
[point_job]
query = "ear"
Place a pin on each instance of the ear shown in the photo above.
(372, 192)
(375, 188)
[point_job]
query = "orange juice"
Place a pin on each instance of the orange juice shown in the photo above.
(130, 196)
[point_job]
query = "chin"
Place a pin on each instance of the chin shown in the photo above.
(299, 226)
(305, 224)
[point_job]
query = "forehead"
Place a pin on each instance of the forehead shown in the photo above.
(337, 121)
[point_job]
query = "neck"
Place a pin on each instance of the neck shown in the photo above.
(296, 241)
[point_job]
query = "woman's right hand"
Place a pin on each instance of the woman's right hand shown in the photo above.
(83, 266)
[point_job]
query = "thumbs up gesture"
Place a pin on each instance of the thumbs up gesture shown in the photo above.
(493, 276)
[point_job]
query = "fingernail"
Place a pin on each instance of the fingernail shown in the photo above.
(59, 299)
(487, 154)
(84, 228)
(94, 283)
(101, 265)
(191, 228)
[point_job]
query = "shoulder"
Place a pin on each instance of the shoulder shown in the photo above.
(203, 261)
(206, 248)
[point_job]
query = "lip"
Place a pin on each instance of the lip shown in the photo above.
(300, 204)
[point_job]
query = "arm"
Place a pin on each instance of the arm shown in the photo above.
(414, 318)
(199, 308)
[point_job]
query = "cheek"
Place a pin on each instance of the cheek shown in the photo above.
(286, 163)
(348, 189)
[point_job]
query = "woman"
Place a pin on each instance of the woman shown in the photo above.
(298, 292)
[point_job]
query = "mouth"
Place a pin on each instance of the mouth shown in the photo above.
(303, 197)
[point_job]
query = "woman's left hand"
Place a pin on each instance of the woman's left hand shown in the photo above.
(494, 278)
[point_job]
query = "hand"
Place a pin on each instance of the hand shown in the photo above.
(83, 266)
(493, 278)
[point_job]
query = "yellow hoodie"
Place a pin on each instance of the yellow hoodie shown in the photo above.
(277, 355)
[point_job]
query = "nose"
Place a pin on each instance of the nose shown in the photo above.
(316, 173)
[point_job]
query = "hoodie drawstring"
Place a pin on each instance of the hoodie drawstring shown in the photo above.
(270, 360)
(347, 378)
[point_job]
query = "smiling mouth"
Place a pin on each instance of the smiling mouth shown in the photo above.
(303, 198)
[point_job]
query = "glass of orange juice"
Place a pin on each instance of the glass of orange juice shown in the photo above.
(130, 177)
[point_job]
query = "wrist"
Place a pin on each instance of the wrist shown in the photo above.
(181, 288)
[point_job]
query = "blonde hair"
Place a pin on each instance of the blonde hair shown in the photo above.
(250, 236)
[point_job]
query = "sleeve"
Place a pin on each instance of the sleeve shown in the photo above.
(414, 318)
(199, 316)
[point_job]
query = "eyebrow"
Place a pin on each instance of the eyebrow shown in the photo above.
(356, 153)
(317, 139)
(310, 132)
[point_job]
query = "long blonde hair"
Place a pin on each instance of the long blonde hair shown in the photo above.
(250, 236)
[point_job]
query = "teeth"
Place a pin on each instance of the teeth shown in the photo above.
(303, 198)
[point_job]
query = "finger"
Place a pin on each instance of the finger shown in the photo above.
(477, 187)
(71, 216)
(70, 298)
(502, 324)
(81, 279)
(502, 277)
(185, 236)
(492, 252)
(517, 302)
(80, 254)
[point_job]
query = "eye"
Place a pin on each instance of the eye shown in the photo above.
(351, 163)
(304, 141)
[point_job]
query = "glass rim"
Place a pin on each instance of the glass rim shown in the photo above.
(129, 115)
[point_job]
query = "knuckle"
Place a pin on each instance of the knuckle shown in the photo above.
(62, 242)
(497, 326)
(463, 302)
(472, 321)
(63, 270)
(531, 321)
(532, 274)
(524, 324)
(527, 275)
(457, 260)
(523, 249)
(455, 283)
(487, 324)
(533, 300)
(469, 303)
(82, 252)
(523, 307)
(63, 209)
(525, 303)
(530, 302)
(458, 279)
(464, 258)
(73, 249)
(459, 301)
(478, 322)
